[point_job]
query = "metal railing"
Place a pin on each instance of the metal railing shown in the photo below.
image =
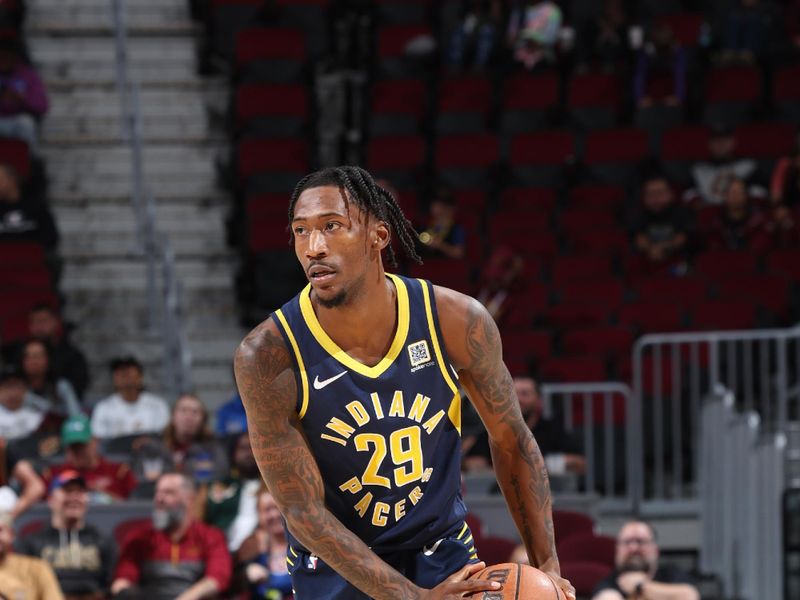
(164, 314)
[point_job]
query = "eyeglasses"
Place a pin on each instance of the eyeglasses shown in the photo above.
(634, 542)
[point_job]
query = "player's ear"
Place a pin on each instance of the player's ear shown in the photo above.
(381, 236)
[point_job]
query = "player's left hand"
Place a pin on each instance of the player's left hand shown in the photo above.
(563, 584)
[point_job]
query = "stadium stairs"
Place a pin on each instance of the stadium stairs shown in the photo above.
(89, 164)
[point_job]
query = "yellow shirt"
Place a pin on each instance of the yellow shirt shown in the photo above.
(28, 578)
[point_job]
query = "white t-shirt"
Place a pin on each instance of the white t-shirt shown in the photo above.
(19, 423)
(114, 417)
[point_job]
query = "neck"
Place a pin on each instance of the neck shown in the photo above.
(362, 321)
(36, 381)
(130, 396)
(178, 532)
(61, 522)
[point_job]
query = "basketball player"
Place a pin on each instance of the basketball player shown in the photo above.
(352, 398)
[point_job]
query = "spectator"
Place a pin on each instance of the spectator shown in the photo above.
(107, 481)
(175, 556)
(638, 574)
(739, 224)
(533, 31)
(81, 555)
(443, 237)
(130, 410)
(15, 426)
(785, 183)
(712, 177)
(17, 420)
(231, 418)
(45, 324)
(23, 99)
(187, 446)
(231, 502)
(747, 31)
(660, 76)
(475, 36)
(60, 398)
(662, 228)
(23, 577)
(264, 553)
(23, 219)
(783, 226)
(562, 451)
(502, 284)
(604, 37)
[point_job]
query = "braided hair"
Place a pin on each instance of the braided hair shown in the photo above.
(370, 198)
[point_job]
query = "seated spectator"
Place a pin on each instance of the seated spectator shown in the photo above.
(231, 418)
(130, 410)
(81, 555)
(442, 237)
(740, 225)
(175, 556)
(662, 228)
(23, 219)
(474, 38)
(16, 419)
(660, 76)
(501, 284)
(533, 31)
(747, 31)
(187, 446)
(23, 99)
(16, 422)
(61, 401)
(604, 38)
(638, 573)
(562, 451)
(23, 577)
(712, 177)
(785, 183)
(783, 226)
(231, 502)
(107, 481)
(45, 324)
(264, 553)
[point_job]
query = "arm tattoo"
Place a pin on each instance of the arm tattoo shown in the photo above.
(267, 385)
(518, 461)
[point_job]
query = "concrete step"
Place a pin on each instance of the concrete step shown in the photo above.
(115, 220)
(57, 198)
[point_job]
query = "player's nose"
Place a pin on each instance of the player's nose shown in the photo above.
(316, 245)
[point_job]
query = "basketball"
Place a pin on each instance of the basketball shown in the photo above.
(520, 582)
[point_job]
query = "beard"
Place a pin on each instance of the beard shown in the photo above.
(337, 300)
(167, 518)
(635, 563)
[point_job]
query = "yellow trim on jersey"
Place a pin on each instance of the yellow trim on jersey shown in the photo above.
(343, 357)
(454, 412)
(299, 357)
(463, 531)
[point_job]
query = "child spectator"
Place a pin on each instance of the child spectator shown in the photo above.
(23, 99)
(23, 219)
(130, 410)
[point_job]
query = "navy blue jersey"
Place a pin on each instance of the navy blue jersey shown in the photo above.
(387, 437)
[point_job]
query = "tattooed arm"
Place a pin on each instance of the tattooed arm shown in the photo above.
(473, 344)
(267, 385)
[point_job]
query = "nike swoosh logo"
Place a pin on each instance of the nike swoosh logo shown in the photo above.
(318, 385)
(429, 550)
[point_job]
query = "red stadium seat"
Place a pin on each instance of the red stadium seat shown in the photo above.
(685, 291)
(768, 291)
(396, 153)
(597, 196)
(270, 54)
(13, 327)
(527, 345)
(267, 234)
(594, 99)
(475, 524)
(681, 148)
(611, 342)
(652, 317)
(540, 246)
(586, 219)
(574, 369)
(570, 316)
(470, 201)
(685, 27)
(765, 140)
(588, 547)
(271, 109)
(509, 223)
(721, 263)
(526, 101)
(393, 41)
(259, 155)
(613, 156)
(33, 277)
(581, 267)
(521, 309)
(567, 523)
(454, 274)
(18, 300)
(731, 93)
(463, 104)
(16, 153)
(608, 241)
(494, 550)
(786, 91)
(785, 262)
(266, 205)
(539, 159)
(584, 575)
(606, 292)
(470, 151)
(21, 255)
(728, 314)
(397, 107)
(528, 199)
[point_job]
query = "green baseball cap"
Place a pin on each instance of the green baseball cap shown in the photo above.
(76, 430)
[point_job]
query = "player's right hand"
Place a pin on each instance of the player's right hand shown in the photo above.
(459, 585)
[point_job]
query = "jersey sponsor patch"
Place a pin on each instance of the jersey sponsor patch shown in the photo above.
(418, 353)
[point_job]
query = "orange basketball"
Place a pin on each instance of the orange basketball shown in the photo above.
(520, 582)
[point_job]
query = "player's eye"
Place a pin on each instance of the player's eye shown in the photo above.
(299, 230)
(332, 226)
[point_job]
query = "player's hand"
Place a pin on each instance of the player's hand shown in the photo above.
(563, 584)
(459, 585)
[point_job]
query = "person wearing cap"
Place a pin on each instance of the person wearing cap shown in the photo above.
(82, 557)
(23, 577)
(17, 421)
(129, 410)
(176, 556)
(713, 177)
(106, 481)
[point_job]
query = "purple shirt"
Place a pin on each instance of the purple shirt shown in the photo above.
(24, 79)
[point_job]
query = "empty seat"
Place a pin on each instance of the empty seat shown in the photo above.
(567, 523)
(731, 94)
(279, 110)
(454, 274)
(573, 369)
(580, 219)
(274, 54)
(652, 317)
(588, 547)
(681, 148)
(527, 345)
(581, 267)
(396, 54)
(686, 27)
(786, 92)
(768, 291)
(766, 142)
(613, 156)
(397, 107)
(540, 159)
(570, 316)
(17, 154)
(229, 17)
(606, 292)
(603, 241)
(685, 291)
(464, 161)
(597, 196)
(463, 104)
(267, 233)
(400, 159)
(728, 314)
(593, 100)
(528, 199)
(272, 165)
(527, 101)
(584, 575)
(494, 550)
(785, 262)
(720, 263)
(609, 342)
(506, 224)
